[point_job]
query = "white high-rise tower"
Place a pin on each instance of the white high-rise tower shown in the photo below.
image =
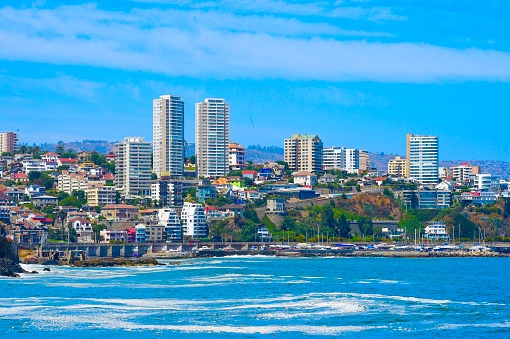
(212, 137)
(168, 136)
(422, 158)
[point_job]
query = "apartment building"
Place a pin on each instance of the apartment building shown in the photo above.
(69, 182)
(133, 166)
(212, 137)
(304, 152)
(422, 155)
(397, 167)
(100, 195)
(236, 156)
(168, 136)
(8, 142)
(169, 219)
(193, 219)
(461, 173)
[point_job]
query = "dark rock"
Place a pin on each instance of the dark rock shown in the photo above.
(34, 272)
(46, 269)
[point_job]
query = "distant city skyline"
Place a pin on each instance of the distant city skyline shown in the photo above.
(359, 74)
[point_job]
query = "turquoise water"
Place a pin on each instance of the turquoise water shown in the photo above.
(261, 297)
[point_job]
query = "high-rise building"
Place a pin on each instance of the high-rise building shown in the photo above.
(168, 136)
(133, 166)
(398, 167)
(212, 137)
(8, 142)
(236, 156)
(364, 161)
(303, 152)
(422, 158)
(352, 160)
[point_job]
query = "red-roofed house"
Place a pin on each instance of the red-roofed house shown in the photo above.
(249, 174)
(66, 162)
(19, 177)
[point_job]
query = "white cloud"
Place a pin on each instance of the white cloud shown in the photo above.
(196, 44)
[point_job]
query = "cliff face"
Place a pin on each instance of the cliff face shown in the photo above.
(9, 259)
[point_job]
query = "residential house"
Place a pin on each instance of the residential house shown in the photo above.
(83, 229)
(232, 210)
(305, 178)
(276, 206)
(328, 178)
(45, 201)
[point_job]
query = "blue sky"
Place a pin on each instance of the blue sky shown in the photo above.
(358, 73)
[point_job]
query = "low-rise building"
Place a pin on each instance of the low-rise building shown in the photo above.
(45, 201)
(305, 178)
(205, 192)
(113, 235)
(436, 230)
(397, 167)
(276, 206)
(426, 198)
(141, 233)
(83, 229)
(155, 233)
(119, 211)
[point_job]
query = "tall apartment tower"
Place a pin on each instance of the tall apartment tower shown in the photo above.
(212, 137)
(133, 166)
(303, 152)
(8, 142)
(422, 154)
(168, 136)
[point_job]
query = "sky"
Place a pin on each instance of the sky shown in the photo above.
(359, 73)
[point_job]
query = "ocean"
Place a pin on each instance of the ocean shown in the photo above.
(262, 297)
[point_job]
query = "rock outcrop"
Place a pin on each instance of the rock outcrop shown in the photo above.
(9, 259)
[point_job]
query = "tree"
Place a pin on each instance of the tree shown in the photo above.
(97, 228)
(59, 149)
(154, 176)
(193, 159)
(365, 225)
(344, 226)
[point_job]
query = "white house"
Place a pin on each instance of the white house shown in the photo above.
(305, 178)
(83, 229)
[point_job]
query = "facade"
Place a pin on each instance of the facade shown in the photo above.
(333, 158)
(168, 136)
(170, 192)
(141, 234)
(397, 167)
(69, 182)
(484, 182)
(83, 229)
(8, 142)
(212, 137)
(193, 219)
(205, 192)
(113, 235)
(100, 195)
(133, 166)
(45, 200)
(426, 198)
(304, 152)
(169, 219)
(461, 173)
(422, 158)
(436, 230)
(352, 160)
(276, 206)
(305, 179)
(364, 161)
(119, 211)
(236, 156)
